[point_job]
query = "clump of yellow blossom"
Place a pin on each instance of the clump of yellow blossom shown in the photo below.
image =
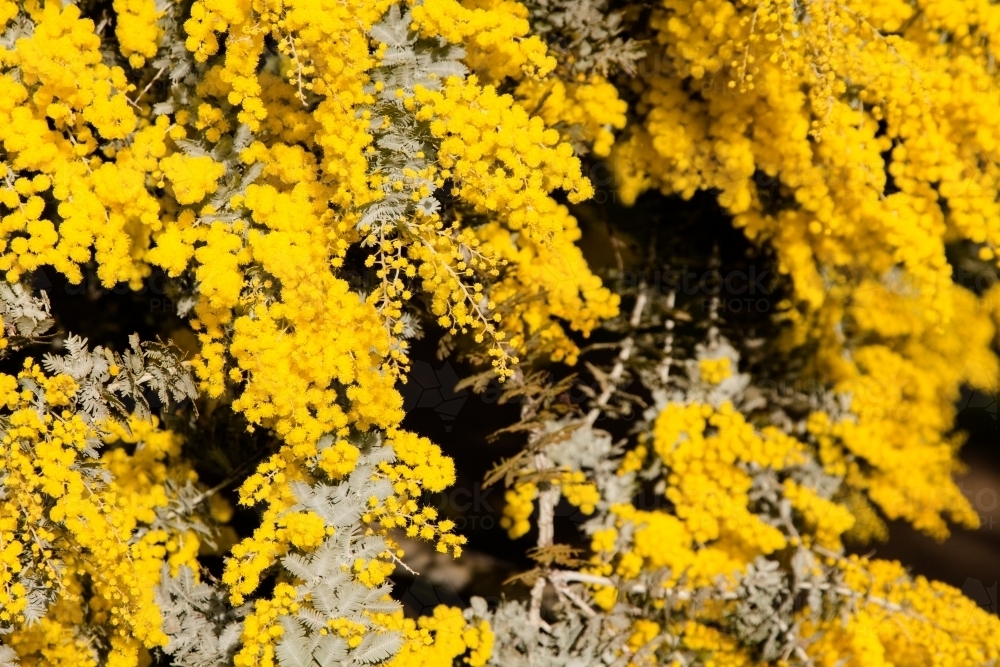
(495, 33)
(848, 139)
(519, 504)
(501, 159)
(61, 514)
(137, 30)
(588, 111)
(191, 177)
(714, 371)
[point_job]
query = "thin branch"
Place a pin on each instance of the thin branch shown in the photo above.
(549, 497)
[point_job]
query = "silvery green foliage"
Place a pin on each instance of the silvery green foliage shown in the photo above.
(179, 72)
(585, 35)
(762, 616)
(404, 147)
(26, 317)
(574, 640)
(174, 63)
(819, 586)
(238, 176)
(812, 475)
(592, 450)
(183, 512)
(765, 602)
(203, 629)
(39, 596)
(411, 327)
(334, 594)
(146, 366)
(768, 595)
(7, 657)
(690, 388)
(20, 26)
(767, 492)
(325, 586)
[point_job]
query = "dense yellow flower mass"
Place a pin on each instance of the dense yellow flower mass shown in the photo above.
(590, 110)
(552, 284)
(712, 534)
(495, 33)
(858, 141)
(93, 170)
(437, 640)
(93, 542)
(517, 509)
(321, 181)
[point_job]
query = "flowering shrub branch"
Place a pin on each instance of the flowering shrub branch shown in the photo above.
(322, 183)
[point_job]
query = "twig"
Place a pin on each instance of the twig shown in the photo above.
(549, 497)
(623, 356)
(663, 369)
(713, 309)
(404, 565)
(150, 84)
(562, 589)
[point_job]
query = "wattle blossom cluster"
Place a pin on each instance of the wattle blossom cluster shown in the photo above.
(323, 182)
